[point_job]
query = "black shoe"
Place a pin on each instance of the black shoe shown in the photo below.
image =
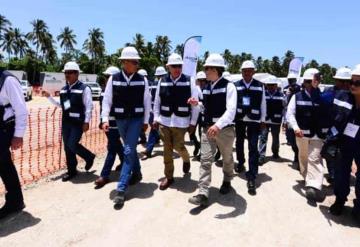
(261, 160)
(119, 167)
(135, 178)
(276, 156)
(217, 155)
(146, 155)
(337, 208)
(89, 163)
(69, 176)
(119, 200)
(225, 188)
(296, 164)
(199, 200)
(311, 194)
(196, 150)
(239, 168)
(8, 209)
(186, 167)
(330, 179)
(251, 187)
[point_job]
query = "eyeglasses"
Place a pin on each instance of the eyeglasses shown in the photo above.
(355, 83)
(176, 66)
(69, 72)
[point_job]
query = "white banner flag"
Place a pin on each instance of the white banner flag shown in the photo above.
(295, 66)
(191, 54)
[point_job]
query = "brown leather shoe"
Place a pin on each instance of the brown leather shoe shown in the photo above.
(186, 167)
(100, 182)
(165, 183)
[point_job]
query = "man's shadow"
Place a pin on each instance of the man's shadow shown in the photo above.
(232, 199)
(260, 179)
(184, 184)
(140, 191)
(346, 219)
(81, 178)
(17, 222)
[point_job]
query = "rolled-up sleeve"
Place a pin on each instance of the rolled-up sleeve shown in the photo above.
(156, 108)
(147, 102)
(194, 109)
(290, 114)
(16, 99)
(107, 101)
(88, 103)
(263, 107)
(231, 101)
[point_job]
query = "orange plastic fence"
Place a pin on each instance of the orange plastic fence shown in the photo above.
(42, 153)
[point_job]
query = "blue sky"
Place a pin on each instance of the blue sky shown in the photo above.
(328, 31)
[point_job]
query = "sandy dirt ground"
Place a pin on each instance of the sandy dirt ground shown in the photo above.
(75, 214)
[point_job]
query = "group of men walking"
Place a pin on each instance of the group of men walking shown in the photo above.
(224, 112)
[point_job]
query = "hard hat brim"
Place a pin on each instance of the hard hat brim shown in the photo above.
(129, 58)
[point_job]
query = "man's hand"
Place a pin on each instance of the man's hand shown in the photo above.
(145, 126)
(46, 94)
(105, 126)
(155, 125)
(213, 131)
(191, 129)
(192, 101)
(16, 143)
(85, 127)
(299, 133)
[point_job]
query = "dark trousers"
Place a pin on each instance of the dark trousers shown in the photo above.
(8, 171)
(275, 134)
(114, 147)
(71, 134)
(252, 130)
(154, 136)
(290, 136)
(349, 151)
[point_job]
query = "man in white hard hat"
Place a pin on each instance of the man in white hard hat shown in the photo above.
(127, 94)
(250, 117)
(174, 116)
(275, 102)
(291, 89)
(76, 104)
(114, 145)
(13, 122)
(219, 107)
(154, 135)
(309, 117)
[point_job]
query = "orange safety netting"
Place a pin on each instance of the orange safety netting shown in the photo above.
(42, 153)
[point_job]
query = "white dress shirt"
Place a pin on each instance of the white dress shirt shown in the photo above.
(108, 96)
(87, 101)
(231, 103)
(11, 93)
(263, 106)
(173, 120)
(291, 115)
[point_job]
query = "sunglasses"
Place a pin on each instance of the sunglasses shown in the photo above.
(176, 66)
(133, 62)
(69, 72)
(355, 83)
(209, 68)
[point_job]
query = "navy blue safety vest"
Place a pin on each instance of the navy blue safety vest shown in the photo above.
(76, 112)
(3, 75)
(274, 106)
(112, 120)
(343, 104)
(152, 88)
(174, 96)
(128, 98)
(312, 114)
(214, 101)
(254, 93)
(354, 119)
(295, 89)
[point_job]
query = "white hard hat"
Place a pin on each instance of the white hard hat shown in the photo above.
(343, 73)
(112, 70)
(248, 64)
(143, 72)
(71, 66)
(200, 75)
(129, 53)
(226, 74)
(215, 60)
(174, 59)
(292, 75)
(160, 71)
(309, 74)
(356, 71)
(271, 80)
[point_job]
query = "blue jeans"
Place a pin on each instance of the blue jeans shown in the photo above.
(252, 130)
(71, 134)
(129, 130)
(263, 138)
(154, 136)
(114, 147)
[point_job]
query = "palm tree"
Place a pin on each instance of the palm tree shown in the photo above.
(94, 45)
(21, 45)
(48, 48)
(4, 24)
(162, 47)
(139, 43)
(8, 44)
(38, 34)
(67, 39)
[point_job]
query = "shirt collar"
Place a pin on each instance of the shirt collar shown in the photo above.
(215, 82)
(176, 79)
(71, 86)
(126, 77)
(247, 84)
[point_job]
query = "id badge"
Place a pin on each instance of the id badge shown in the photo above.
(246, 101)
(351, 130)
(67, 105)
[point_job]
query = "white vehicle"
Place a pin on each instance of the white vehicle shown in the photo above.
(27, 90)
(95, 89)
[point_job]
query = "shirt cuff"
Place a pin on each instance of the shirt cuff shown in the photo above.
(105, 119)
(19, 133)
